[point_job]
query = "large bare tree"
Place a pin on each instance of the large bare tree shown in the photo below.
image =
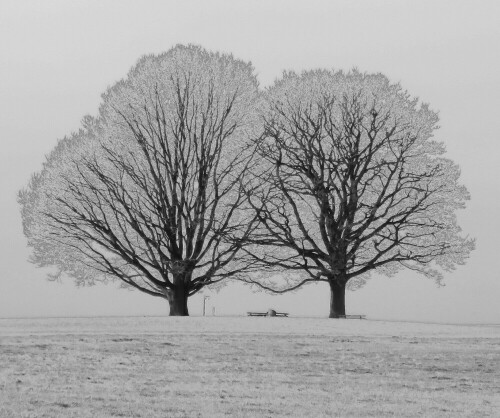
(151, 191)
(351, 183)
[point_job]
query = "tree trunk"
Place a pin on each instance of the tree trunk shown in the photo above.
(177, 299)
(337, 299)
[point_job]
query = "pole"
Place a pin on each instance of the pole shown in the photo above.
(204, 303)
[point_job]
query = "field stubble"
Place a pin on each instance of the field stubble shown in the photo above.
(246, 367)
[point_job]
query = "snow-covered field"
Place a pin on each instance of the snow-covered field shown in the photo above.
(246, 367)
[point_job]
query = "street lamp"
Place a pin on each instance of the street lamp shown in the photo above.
(205, 303)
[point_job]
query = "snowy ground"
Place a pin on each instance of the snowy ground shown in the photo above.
(246, 367)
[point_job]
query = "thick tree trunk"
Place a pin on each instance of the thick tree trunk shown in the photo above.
(337, 299)
(177, 299)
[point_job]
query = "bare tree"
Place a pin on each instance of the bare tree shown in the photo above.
(151, 192)
(351, 182)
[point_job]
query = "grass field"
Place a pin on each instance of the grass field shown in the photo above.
(246, 367)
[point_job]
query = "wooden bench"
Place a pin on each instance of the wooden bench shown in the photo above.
(266, 314)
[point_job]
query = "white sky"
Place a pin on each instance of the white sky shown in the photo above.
(57, 57)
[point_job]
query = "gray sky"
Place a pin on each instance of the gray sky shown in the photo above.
(57, 57)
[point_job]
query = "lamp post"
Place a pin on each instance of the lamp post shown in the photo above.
(204, 303)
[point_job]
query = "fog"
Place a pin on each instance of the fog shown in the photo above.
(58, 57)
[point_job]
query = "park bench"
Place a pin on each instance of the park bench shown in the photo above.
(268, 313)
(352, 316)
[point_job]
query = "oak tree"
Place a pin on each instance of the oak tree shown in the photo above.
(352, 182)
(150, 192)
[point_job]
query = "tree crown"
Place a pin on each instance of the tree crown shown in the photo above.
(150, 190)
(353, 182)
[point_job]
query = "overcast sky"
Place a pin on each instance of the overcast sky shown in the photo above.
(57, 57)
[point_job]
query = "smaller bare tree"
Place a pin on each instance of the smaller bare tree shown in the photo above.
(351, 183)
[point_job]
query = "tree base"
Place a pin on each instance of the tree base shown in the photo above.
(177, 300)
(337, 299)
(178, 314)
